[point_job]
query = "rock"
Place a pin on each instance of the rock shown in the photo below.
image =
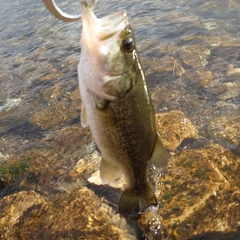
(76, 100)
(79, 214)
(84, 168)
(72, 140)
(181, 128)
(52, 115)
(55, 91)
(52, 76)
(194, 56)
(163, 65)
(12, 207)
(199, 78)
(163, 97)
(151, 223)
(10, 173)
(200, 184)
(225, 91)
(10, 104)
(226, 127)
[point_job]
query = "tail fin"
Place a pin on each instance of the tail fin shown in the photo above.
(133, 202)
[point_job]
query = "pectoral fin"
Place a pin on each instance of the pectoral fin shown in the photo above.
(159, 156)
(83, 116)
(108, 172)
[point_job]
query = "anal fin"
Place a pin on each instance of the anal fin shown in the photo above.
(109, 172)
(159, 156)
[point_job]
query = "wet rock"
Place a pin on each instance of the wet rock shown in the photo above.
(194, 56)
(54, 115)
(200, 185)
(199, 182)
(152, 224)
(191, 38)
(225, 91)
(76, 100)
(71, 141)
(163, 97)
(25, 129)
(84, 168)
(52, 76)
(174, 127)
(10, 172)
(226, 127)
(51, 160)
(163, 65)
(199, 78)
(217, 213)
(10, 104)
(216, 41)
(79, 214)
(55, 91)
(43, 172)
(46, 170)
(12, 207)
(10, 144)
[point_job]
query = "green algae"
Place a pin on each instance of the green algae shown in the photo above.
(9, 173)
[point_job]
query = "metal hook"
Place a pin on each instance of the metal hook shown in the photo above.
(58, 13)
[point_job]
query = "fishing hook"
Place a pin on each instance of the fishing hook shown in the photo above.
(58, 13)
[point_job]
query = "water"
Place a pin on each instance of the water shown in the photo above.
(189, 50)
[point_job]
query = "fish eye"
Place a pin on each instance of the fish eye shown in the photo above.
(128, 44)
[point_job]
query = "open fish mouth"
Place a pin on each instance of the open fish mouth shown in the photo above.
(101, 52)
(96, 31)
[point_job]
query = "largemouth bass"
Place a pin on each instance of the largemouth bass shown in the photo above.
(117, 106)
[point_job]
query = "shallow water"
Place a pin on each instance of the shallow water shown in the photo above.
(38, 51)
(189, 50)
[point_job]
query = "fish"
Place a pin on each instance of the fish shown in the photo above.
(117, 107)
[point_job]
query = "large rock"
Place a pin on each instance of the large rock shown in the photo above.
(77, 215)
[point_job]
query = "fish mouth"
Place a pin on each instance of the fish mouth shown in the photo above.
(101, 43)
(97, 31)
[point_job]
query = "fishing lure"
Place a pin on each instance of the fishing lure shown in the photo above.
(58, 13)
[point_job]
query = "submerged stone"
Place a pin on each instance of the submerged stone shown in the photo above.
(181, 128)
(53, 115)
(226, 128)
(200, 185)
(77, 215)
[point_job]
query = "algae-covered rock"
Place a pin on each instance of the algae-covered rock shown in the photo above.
(163, 65)
(77, 215)
(174, 127)
(53, 115)
(163, 97)
(199, 196)
(199, 186)
(12, 207)
(199, 78)
(194, 56)
(72, 140)
(10, 172)
(226, 127)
